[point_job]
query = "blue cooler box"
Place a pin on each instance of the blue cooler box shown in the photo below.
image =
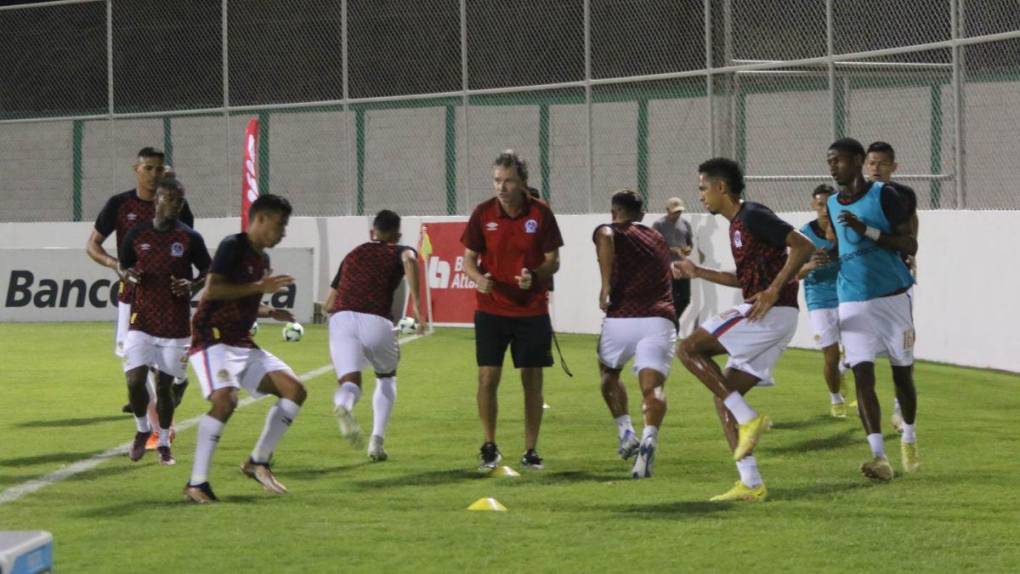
(29, 552)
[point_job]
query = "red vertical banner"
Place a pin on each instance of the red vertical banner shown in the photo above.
(451, 295)
(249, 179)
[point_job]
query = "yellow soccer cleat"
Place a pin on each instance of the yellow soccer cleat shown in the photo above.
(742, 493)
(838, 411)
(910, 458)
(878, 469)
(749, 434)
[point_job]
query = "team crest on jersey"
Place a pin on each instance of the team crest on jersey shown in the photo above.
(145, 247)
(176, 249)
(530, 226)
(736, 239)
(491, 226)
(132, 217)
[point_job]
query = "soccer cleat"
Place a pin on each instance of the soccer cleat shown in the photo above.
(645, 460)
(743, 493)
(165, 457)
(838, 410)
(490, 456)
(910, 458)
(262, 474)
(878, 469)
(629, 445)
(749, 434)
(138, 445)
(897, 421)
(153, 441)
(199, 493)
(532, 460)
(349, 428)
(375, 449)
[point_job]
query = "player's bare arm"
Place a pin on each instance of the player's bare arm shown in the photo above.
(95, 251)
(219, 289)
(801, 249)
(901, 239)
(604, 248)
(687, 269)
(482, 282)
(330, 299)
(267, 312)
(409, 260)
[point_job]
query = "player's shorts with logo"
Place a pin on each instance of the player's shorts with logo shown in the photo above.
(825, 325)
(649, 340)
(360, 339)
(223, 366)
(123, 323)
(881, 326)
(754, 346)
(163, 354)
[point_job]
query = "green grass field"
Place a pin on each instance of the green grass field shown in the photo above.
(62, 391)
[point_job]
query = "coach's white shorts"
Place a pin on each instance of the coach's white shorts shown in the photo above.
(360, 339)
(651, 341)
(223, 366)
(123, 324)
(165, 355)
(825, 324)
(754, 347)
(876, 327)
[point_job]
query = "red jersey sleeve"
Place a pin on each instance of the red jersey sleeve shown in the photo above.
(473, 238)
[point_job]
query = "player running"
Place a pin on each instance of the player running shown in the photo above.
(637, 297)
(360, 303)
(753, 333)
(157, 257)
(224, 356)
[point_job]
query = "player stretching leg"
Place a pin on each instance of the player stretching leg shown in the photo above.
(360, 303)
(754, 333)
(224, 356)
(637, 298)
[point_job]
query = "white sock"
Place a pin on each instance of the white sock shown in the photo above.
(347, 396)
(183, 381)
(164, 437)
(738, 406)
(382, 404)
(896, 406)
(876, 444)
(748, 469)
(209, 431)
(649, 432)
(142, 424)
(909, 435)
(623, 425)
(837, 399)
(278, 419)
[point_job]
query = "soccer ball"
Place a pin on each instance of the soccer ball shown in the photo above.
(293, 332)
(407, 325)
(254, 329)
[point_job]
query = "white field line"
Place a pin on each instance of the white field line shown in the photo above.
(25, 488)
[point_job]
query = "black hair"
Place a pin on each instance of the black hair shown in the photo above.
(151, 152)
(824, 188)
(882, 147)
(170, 184)
(269, 203)
(850, 146)
(509, 158)
(727, 170)
(386, 221)
(629, 200)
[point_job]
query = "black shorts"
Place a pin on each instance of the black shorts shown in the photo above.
(681, 295)
(529, 338)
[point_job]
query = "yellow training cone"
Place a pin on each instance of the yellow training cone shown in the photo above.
(490, 504)
(504, 471)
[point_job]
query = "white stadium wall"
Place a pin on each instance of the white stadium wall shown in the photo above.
(963, 304)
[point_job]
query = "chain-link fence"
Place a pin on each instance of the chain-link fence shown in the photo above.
(370, 104)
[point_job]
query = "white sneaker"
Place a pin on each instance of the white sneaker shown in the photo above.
(629, 445)
(349, 428)
(645, 459)
(375, 449)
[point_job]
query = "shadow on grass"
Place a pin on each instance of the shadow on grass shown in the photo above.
(311, 472)
(842, 439)
(804, 423)
(168, 504)
(570, 476)
(48, 458)
(61, 423)
(822, 489)
(674, 510)
(430, 478)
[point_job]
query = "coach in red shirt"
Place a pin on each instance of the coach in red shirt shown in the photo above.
(511, 253)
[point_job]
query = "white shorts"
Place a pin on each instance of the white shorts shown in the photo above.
(360, 339)
(165, 355)
(222, 366)
(876, 327)
(825, 324)
(650, 340)
(754, 347)
(123, 323)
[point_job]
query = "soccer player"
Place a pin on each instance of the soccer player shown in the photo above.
(122, 212)
(872, 228)
(360, 303)
(224, 356)
(819, 276)
(677, 232)
(753, 333)
(880, 165)
(637, 297)
(157, 257)
(511, 252)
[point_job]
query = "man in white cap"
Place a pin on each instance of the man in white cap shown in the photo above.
(677, 232)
